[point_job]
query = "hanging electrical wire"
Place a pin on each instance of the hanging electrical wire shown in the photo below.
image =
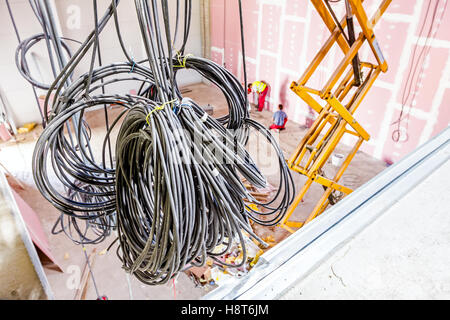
(173, 190)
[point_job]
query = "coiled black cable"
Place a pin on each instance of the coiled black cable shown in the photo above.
(176, 199)
(174, 189)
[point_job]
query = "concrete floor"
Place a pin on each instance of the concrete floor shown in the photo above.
(110, 279)
(404, 254)
(18, 277)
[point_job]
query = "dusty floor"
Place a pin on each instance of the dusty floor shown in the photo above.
(403, 255)
(110, 279)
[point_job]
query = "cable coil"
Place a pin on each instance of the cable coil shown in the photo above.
(173, 186)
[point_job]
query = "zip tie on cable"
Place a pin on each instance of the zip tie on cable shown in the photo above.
(132, 67)
(204, 117)
(182, 63)
(161, 107)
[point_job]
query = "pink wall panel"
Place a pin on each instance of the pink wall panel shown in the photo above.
(268, 65)
(392, 41)
(443, 120)
(270, 28)
(403, 7)
(318, 34)
(251, 72)
(367, 148)
(284, 95)
(217, 57)
(250, 5)
(372, 113)
(251, 32)
(232, 57)
(217, 23)
(232, 22)
(268, 72)
(392, 151)
(442, 18)
(276, 33)
(293, 106)
(296, 8)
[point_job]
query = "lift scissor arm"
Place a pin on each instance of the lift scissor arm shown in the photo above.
(335, 103)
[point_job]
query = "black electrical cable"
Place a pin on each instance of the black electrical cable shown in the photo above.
(244, 61)
(166, 177)
(174, 189)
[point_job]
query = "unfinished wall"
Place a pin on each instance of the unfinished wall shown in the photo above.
(282, 37)
(17, 91)
(76, 20)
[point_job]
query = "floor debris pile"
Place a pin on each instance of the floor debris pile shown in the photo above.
(217, 272)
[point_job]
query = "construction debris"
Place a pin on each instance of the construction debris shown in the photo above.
(215, 272)
(202, 275)
(26, 127)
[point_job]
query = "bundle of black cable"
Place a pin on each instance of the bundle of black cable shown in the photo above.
(238, 119)
(178, 190)
(67, 174)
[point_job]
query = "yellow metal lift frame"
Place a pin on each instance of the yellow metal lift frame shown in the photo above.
(337, 113)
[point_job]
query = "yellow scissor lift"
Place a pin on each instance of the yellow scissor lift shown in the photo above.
(341, 96)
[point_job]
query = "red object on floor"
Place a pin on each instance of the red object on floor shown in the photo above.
(274, 126)
(37, 233)
(262, 98)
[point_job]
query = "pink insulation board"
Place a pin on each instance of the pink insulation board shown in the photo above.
(292, 45)
(393, 151)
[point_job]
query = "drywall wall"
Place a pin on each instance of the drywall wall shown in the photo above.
(16, 90)
(282, 37)
(75, 20)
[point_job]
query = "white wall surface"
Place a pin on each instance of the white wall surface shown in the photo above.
(75, 21)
